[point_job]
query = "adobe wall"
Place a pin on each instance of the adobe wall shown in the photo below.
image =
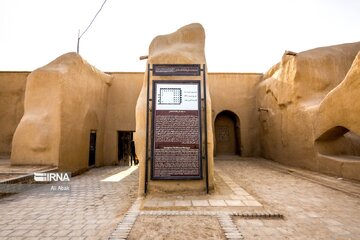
(83, 108)
(337, 127)
(120, 113)
(121, 101)
(308, 117)
(236, 92)
(12, 90)
(240, 99)
(64, 100)
(309, 107)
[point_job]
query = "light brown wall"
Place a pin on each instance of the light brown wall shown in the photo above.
(305, 96)
(12, 90)
(64, 100)
(229, 91)
(84, 99)
(120, 115)
(236, 92)
(36, 138)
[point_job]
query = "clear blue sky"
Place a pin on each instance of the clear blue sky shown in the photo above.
(241, 36)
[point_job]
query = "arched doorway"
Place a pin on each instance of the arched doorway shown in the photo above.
(227, 134)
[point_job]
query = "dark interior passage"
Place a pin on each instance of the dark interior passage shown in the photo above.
(92, 148)
(227, 134)
(124, 147)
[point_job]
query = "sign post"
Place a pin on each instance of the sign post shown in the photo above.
(176, 148)
(174, 136)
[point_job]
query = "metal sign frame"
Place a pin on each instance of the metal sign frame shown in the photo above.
(153, 139)
(176, 70)
(147, 155)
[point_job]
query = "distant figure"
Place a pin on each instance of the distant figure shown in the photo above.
(132, 153)
(136, 160)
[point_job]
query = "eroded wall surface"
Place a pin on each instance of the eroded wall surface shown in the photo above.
(37, 137)
(64, 100)
(12, 90)
(337, 127)
(290, 97)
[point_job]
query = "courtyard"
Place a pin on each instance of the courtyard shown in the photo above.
(253, 199)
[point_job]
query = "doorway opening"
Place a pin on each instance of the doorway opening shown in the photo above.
(227, 134)
(124, 147)
(92, 148)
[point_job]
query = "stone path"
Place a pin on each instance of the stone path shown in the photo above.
(123, 229)
(291, 205)
(231, 231)
(90, 211)
(285, 203)
(227, 194)
(311, 210)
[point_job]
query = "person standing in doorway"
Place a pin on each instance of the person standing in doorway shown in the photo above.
(132, 153)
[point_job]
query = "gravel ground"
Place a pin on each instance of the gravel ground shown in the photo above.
(176, 227)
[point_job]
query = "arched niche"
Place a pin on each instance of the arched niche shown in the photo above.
(227, 134)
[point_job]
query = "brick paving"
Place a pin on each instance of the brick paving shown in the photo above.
(259, 199)
(228, 194)
(230, 229)
(311, 210)
(255, 199)
(90, 211)
(123, 229)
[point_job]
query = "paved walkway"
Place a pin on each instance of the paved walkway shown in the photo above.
(227, 194)
(293, 204)
(285, 203)
(90, 211)
(311, 210)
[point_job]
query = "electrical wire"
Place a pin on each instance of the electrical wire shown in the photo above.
(79, 36)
